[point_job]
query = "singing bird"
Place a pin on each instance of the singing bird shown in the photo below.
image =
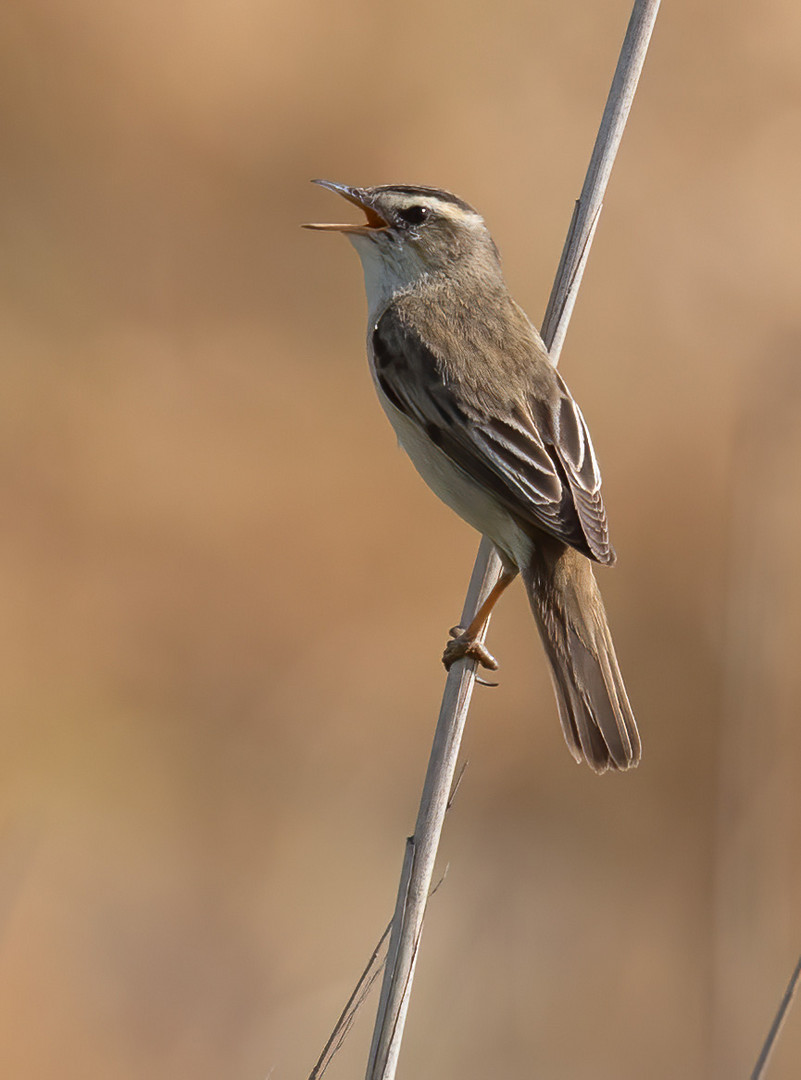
(488, 422)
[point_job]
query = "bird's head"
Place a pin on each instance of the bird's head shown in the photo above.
(413, 231)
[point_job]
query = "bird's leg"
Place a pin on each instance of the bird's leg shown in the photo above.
(465, 642)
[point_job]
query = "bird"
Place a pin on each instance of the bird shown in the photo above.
(489, 423)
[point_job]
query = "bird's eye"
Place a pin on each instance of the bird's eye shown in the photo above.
(414, 215)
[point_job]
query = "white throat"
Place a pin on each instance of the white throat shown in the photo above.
(387, 271)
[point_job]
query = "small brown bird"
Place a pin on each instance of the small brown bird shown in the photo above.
(490, 425)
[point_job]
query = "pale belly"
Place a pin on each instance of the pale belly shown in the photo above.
(456, 489)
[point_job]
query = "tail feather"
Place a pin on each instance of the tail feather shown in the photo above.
(594, 709)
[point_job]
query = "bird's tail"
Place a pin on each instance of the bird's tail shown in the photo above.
(594, 708)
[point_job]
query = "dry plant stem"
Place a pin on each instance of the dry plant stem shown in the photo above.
(761, 1066)
(588, 208)
(422, 847)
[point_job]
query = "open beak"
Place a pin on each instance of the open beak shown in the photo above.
(374, 223)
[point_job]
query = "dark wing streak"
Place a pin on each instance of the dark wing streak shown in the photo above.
(531, 482)
(526, 454)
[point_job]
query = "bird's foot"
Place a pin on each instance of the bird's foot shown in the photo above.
(464, 645)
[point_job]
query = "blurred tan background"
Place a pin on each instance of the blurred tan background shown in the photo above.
(225, 591)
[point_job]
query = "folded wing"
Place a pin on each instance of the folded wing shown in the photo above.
(535, 457)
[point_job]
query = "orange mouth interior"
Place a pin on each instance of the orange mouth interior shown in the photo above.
(374, 220)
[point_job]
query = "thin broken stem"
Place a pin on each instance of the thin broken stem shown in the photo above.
(354, 1003)
(778, 1022)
